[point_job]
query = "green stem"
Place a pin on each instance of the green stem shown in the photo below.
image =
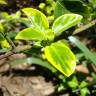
(92, 23)
(10, 42)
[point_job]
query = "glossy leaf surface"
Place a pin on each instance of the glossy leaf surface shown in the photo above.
(37, 18)
(61, 57)
(30, 34)
(65, 22)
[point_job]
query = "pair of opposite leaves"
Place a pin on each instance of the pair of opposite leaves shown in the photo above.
(58, 53)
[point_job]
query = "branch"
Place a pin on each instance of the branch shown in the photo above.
(16, 50)
(6, 55)
(10, 42)
(92, 23)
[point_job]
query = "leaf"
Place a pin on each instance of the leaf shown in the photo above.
(83, 84)
(73, 83)
(17, 15)
(84, 92)
(33, 60)
(5, 15)
(37, 18)
(26, 22)
(61, 57)
(4, 44)
(30, 34)
(3, 2)
(84, 49)
(93, 3)
(60, 9)
(49, 35)
(72, 6)
(65, 22)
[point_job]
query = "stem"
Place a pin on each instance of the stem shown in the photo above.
(6, 55)
(92, 23)
(16, 50)
(10, 42)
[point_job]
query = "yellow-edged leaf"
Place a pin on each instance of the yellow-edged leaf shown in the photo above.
(61, 57)
(65, 22)
(30, 34)
(37, 18)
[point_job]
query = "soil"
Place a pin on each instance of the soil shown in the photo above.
(23, 80)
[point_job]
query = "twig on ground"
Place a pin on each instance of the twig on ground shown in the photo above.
(80, 29)
(16, 50)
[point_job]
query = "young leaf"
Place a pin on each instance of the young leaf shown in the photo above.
(73, 83)
(37, 18)
(17, 15)
(64, 22)
(61, 57)
(49, 35)
(4, 44)
(30, 34)
(84, 92)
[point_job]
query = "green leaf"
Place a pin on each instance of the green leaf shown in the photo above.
(4, 44)
(93, 3)
(73, 83)
(83, 84)
(84, 49)
(84, 92)
(72, 6)
(6, 16)
(49, 35)
(61, 57)
(26, 22)
(37, 18)
(60, 9)
(17, 15)
(33, 60)
(3, 2)
(65, 22)
(30, 34)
